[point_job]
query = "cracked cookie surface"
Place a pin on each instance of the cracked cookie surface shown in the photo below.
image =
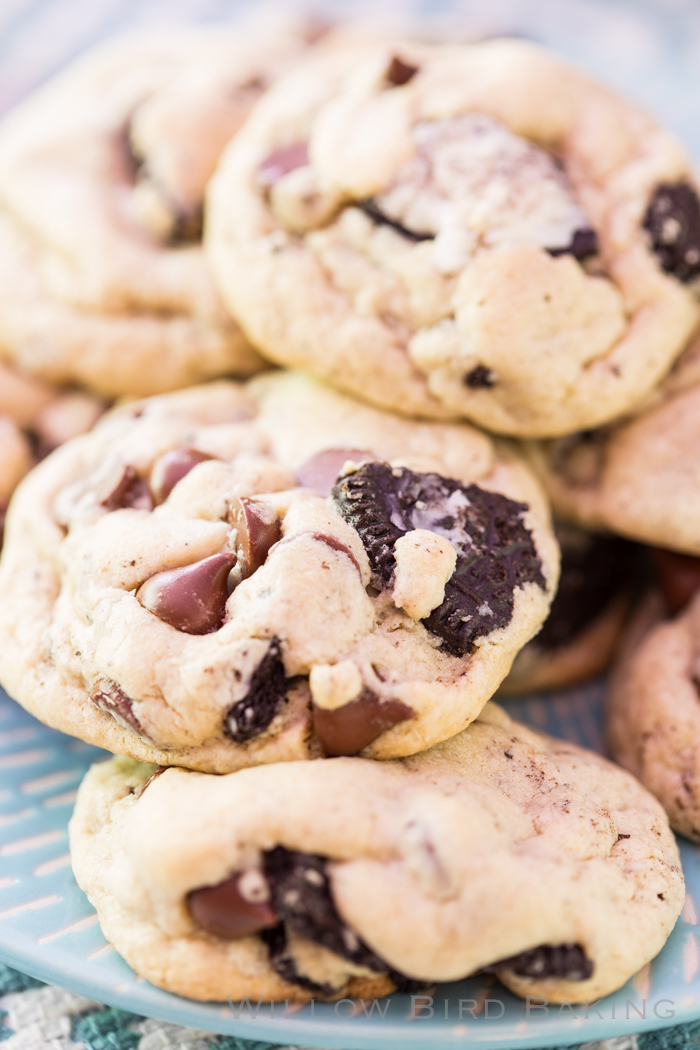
(350, 878)
(172, 592)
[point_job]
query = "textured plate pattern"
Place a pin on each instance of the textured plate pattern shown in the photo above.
(48, 929)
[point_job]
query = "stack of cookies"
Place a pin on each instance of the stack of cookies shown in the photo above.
(284, 600)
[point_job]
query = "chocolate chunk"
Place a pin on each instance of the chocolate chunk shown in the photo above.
(266, 694)
(281, 161)
(129, 490)
(336, 545)
(187, 225)
(480, 376)
(110, 698)
(257, 529)
(321, 471)
(237, 907)
(584, 243)
(399, 72)
(495, 552)
(172, 467)
(678, 576)
(193, 598)
(594, 570)
(673, 222)
(373, 211)
(346, 730)
(567, 962)
(153, 776)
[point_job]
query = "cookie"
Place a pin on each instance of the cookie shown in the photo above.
(639, 476)
(233, 575)
(473, 231)
(598, 579)
(102, 175)
(350, 878)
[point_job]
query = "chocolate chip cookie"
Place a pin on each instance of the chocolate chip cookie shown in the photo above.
(477, 232)
(102, 176)
(232, 575)
(350, 878)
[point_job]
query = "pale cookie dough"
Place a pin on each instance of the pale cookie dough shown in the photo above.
(499, 849)
(461, 231)
(102, 174)
(639, 477)
(172, 581)
(653, 714)
(599, 577)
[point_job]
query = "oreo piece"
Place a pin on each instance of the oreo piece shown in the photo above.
(284, 964)
(268, 690)
(373, 211)
(584, 243)
(673, 222)
(495, 552)
(567, 962)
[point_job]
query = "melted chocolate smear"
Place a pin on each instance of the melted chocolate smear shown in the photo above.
(110, 698)
(269, 686)
(495, 552)
(160, 770)
(480, 377)
(594, 569)
(673, 222)
(399, 72)
(130, 491)
(584, 243)
(373, 212)
(568, 962)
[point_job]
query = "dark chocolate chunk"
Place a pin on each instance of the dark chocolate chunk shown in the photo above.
(110, 698)
(584, 243)
(336, 545)
(281, 161)
(480, 376)
(129, 490)
(193, 598)
(373, 211)
(673, 223)
(567, 962)
(172, 467)
(678, 576)
(257, 529)
(399, 72)
(320, 472)
(267, 692)
(233, 908)
(495, 552)
(346, 730)
(594, 570)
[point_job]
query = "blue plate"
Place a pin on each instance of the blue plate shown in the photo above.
(49, 930)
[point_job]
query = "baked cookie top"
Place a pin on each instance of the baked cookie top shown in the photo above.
(460, 231)
(179, 585)
(639, 476)
(299, 879)
(102, 178)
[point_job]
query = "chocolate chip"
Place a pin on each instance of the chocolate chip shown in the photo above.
(480, 376)
(160, 770)
(568, 962)
(336, 545)
(172, 467)
(266, 694)
(110, 698)
(678, 576)
(320, 472)
(495, 552)
(373, 211)
(346, 730)
(594, 569)
(584, 243)
(193, 598)
(673, 222)
(399, 72)
(187, 225)
(129, 490)
(623, 836)
(281, 161)
(257, 529)
(230, 910)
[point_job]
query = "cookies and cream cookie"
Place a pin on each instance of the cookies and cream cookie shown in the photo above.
(639, 476)
(232, 575)
(461, 231)
(102, 176)
(351, 878)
